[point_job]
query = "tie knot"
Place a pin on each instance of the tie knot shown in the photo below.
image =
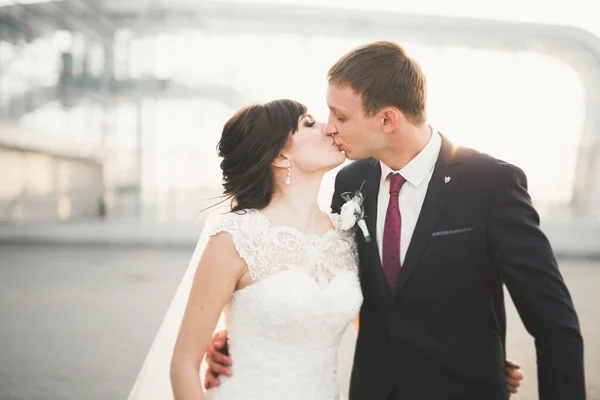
(396, 182)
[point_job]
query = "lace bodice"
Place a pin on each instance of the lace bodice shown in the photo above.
(268, 249)
(285, 328)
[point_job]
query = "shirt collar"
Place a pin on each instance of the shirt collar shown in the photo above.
(419, 167)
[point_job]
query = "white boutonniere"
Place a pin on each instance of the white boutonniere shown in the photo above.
(353, 212)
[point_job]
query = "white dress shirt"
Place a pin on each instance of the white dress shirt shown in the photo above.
(417, 174)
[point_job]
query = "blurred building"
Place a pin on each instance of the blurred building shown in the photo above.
(112, 109)
(110, 112)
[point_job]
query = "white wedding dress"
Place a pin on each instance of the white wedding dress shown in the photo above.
(286, 328)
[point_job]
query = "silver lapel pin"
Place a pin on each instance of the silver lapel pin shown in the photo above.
(447, 179)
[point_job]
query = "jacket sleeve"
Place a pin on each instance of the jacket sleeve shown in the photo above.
(523, 254)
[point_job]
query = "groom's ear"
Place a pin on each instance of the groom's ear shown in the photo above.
(390, 117)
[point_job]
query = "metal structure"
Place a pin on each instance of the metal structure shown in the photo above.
(100, 21)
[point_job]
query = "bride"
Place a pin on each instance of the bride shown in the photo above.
(282, 270)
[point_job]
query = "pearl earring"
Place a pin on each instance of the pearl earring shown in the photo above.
(289, 174)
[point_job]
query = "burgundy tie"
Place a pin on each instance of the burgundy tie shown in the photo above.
(391, 233)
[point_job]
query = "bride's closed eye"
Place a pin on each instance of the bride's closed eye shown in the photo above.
(307, 121)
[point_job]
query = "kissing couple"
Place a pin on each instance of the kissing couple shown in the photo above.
(420, 240)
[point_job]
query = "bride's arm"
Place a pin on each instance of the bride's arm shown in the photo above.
(215, 280)
(356, 323)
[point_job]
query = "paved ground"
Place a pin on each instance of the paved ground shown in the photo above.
(76, 320)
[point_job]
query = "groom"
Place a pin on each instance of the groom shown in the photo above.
(449, 227)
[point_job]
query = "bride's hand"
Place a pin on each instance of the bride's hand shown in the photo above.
(513, 376)
(217, 360)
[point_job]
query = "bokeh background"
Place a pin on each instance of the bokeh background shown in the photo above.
(110, 112)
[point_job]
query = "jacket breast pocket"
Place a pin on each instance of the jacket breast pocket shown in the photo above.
(452, 232)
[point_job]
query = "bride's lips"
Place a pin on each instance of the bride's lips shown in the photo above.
(339, 146)
(334, 144)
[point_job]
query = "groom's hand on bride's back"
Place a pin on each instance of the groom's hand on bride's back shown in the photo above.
(217, 359)
(513, 377)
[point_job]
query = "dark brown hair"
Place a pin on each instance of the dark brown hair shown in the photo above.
(383, 75)
(251, 140)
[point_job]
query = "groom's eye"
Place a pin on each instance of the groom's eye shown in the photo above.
(340, 119)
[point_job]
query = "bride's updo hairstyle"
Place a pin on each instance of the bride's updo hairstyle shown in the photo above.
(251, 140)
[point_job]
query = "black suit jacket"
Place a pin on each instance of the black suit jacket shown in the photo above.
(441, 333)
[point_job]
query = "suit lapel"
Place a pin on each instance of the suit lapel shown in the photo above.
(445, 176)
(371, 190)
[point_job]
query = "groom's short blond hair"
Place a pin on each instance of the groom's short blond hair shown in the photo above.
(383, 75)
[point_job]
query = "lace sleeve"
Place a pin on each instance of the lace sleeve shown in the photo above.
(236, 226)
